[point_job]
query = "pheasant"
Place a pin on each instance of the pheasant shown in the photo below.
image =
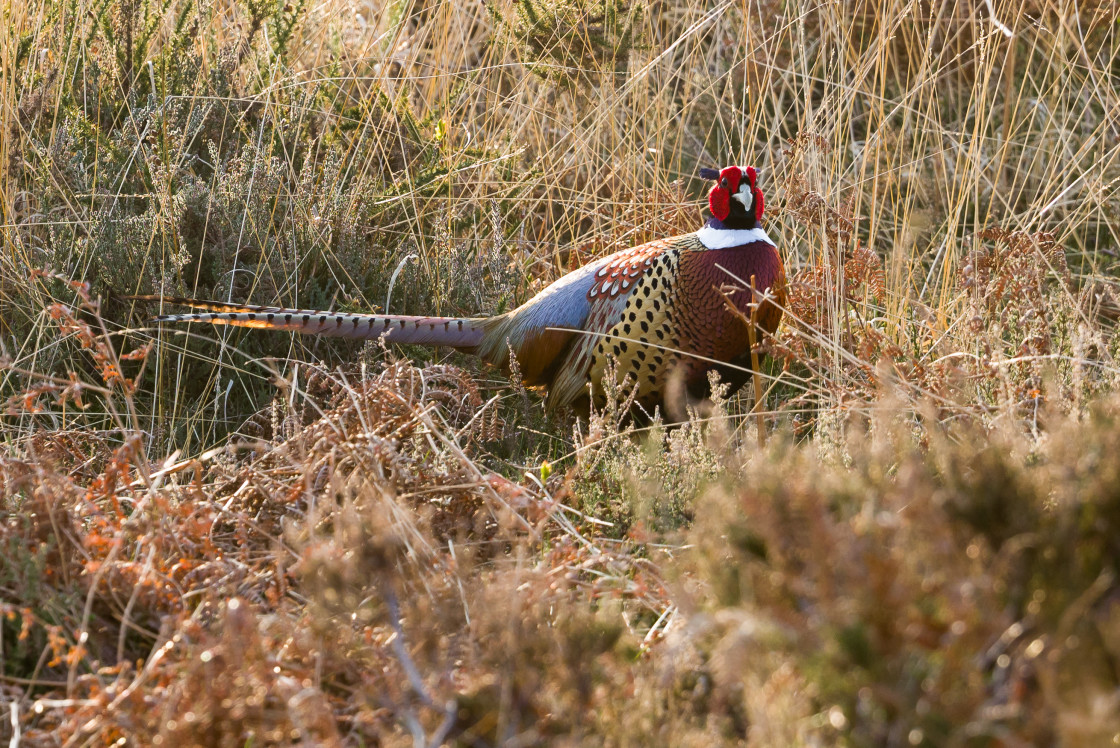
(660, 310)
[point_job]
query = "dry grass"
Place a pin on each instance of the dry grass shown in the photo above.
(242, 539)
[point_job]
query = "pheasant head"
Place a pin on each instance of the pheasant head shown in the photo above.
(735, 201)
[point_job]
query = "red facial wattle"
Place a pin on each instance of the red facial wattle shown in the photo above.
(760, 203)
(720, 203)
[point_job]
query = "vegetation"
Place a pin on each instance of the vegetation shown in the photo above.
(231, 538)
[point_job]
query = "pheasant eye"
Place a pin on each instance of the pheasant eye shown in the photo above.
(723, 183)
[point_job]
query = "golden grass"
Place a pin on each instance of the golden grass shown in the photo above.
(285, 540)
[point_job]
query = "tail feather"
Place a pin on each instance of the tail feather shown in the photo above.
(457, 332)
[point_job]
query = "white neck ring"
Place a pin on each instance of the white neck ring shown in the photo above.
(714, 238)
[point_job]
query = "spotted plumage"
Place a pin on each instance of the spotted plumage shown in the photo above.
(658, 310)
(644, 335)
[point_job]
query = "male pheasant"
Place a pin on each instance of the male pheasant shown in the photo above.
(658, 309)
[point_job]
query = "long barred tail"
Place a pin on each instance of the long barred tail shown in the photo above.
(457, 332)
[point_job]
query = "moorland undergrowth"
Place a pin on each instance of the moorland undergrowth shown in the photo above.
(229, 538)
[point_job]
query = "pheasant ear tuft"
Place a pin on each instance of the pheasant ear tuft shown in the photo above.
(706, 173)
